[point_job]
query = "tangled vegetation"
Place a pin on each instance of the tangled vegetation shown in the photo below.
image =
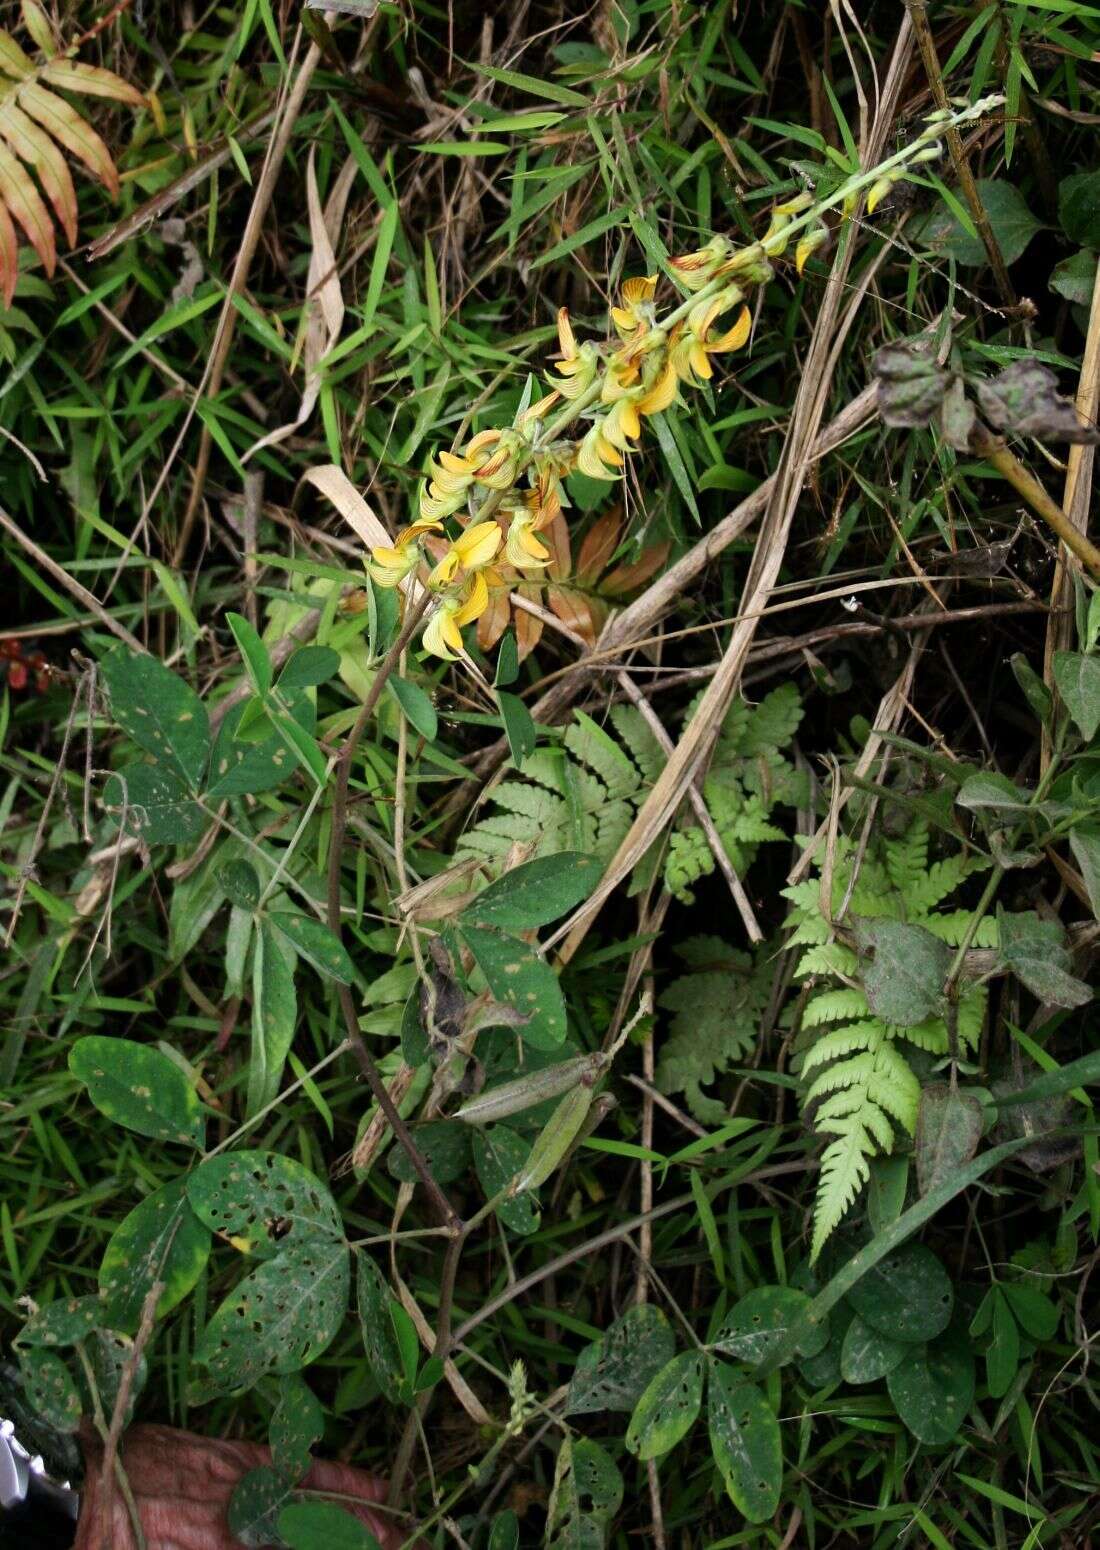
(551, 751)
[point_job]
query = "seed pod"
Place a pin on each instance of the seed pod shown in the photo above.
(554, 1140)
(526, 1091)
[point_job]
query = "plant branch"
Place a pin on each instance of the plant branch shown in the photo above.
(1024, 482)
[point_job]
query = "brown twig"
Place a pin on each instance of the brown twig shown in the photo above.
(1024, 482)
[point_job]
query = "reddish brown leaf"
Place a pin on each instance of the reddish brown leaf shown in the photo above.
(9, 255)
(599, 544)
(624, 578)
(556, 538)
(91, 81)
(67, 127)
(25, 203)
(573, 609)
(33, 145)
(494, 621)
(528, 627)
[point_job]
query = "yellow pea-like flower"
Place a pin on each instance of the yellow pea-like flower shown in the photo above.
(522, 548)
(596, 456)
(635, 312)
(470, 551)
(443, 632)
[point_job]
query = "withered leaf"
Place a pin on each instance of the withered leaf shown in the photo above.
(1024, 399)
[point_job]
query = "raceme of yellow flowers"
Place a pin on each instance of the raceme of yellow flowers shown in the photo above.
(505, 485)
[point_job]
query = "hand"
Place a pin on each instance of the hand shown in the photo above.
(182, 1484)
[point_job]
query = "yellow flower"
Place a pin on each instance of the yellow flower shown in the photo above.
(636, 312)
(470, 551)
(390, 567)
(442, 634)
(579, 363)
(691, 348)
(597, 456)
(623, 425)
(660, 392)
(694, 270)
(522, 547)
(810, 244)
(775, 239)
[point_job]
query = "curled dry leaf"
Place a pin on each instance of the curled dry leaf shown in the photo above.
(36, 126)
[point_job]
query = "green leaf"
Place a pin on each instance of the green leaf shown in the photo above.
(263, 1200)
(614, 1370)
(153, 801)
(904, 980)
(949, 1127)
(316, 944)
(258, 1497)
(64, 1322)
(1085, 843)
(309, 666)
(1035, 951)
(376, 1326)
(536, 893)
(504, 1533)
(587, 1493)
(985, 788)
(240, 884)
(1079, 208)
(1078, 681)
(138, 1087)
(518, 978)
(418, 709)
(48, 1385)
(274, 1017)
(1012, 222)
(303, 746)
(253, 651)
(297, 1424)
(932, 1389)
(444, 1145)
(668, 1407)
(281, 1317)
(507, 661)
(1038, 695)
(160, 712)
(240, 768)
(907, 1296)
(745, 1441)
(519, 728)
(1075, 277)
(323, 1526)
(499, 1154)
(1034, 1312)
(160, 1240)
(1002, 1357)
(867, 1355)
(764, 1317)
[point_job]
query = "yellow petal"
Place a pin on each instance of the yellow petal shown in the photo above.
(477, 545)
(446, 571)
(440, 634)
(475, 604)
(609, 453)
(623, 317)
(699, 363)
(566, 337)
(477, 444)
(589, 460)
(639, 288)
(735, 338)
(661, 393)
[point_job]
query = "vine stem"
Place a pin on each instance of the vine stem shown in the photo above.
(337, 836)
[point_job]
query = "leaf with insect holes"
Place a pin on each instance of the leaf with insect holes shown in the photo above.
(668, 1408)
(1035, 950)
(316, 944)
(162, 714)
(949, 1127)
(297, 1423)
(160, 1240)
(613, 1371)
(762, 1319)
(906, 1296)
(262, 1200)
(520, 979)
(499, 1154)
(48, 1384)
(1023, 400)
(536, 893)
(258, 1498)
(36, 127)
(587, 1493)
(138, 1087)
(376, 1324)
(64, 1322)
(745, 1442)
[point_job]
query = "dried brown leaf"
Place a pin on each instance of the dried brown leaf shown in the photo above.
(599, 544)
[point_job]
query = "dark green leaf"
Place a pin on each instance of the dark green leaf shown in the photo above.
(507, 661)
(1084, 841)
(932, 1389)
(868, 1355)
(1002, 1357)
(536, 893)
(1079, 208)
(323, 1526)
(1035, 951)
(504, 1533)
(240, 884)
(763, 1318)
(986, 788)
(668, 1407)
(298, 1423)
(1034, 1312)
(308, 667)
(499, 1154)
(1013, 226)
(376, 1325)
(274, 1016)
(949, 1127)
(316, 944)
(49, 1387)
(444, 1145)
(613, 1371)
(64, 1322)
(519, 729)
(161, 1240)
(159, 712)
(152, 801)
(1075, 277)
(904, 980)
(1038, 695)
(136, 1086)
(907, 1296)
(745, 1441)
(518, 978)
(417, 707)
(239, 768)
(258, 1497)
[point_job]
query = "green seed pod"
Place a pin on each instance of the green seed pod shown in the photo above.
(555, 1139)
(526, 1091)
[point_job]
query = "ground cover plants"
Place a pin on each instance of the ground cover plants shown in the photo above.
(551, 760)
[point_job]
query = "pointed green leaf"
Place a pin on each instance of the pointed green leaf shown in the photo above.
(417, 708)
(1002, 1357)
(519, 978)
(253, 651)
(160, 712)
(668, 1407)
(323, 1526)
(161, 1240)
(499, 1154)
(745, 1441)
(48, 1385)
(263, 1200)
(308, 667)
(298, 1423)
(316, 944)
(274, 1017)
(763, 1318)
(138, 1087)
(1078, 681)
(536, 893)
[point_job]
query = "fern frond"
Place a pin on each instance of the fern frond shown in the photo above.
(840, 1041)
(940, 882)
(907, 857)
(953, 925)
(853, 1073)
(829, 1006)
(36, 126)
(845, 1169)
(591, 745)
(773, 722)
(636, 734)
(717, 1007)
(832, 958)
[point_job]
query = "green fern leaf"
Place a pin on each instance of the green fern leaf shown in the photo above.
(845, 1169)
(830, 1006)
(717, 1009)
